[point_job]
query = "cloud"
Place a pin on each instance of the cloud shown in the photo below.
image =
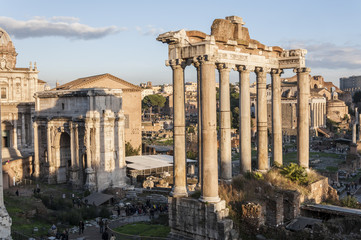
(68, 27)
(150, 30)
(329, 55)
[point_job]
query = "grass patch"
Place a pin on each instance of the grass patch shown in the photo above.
(144, 229)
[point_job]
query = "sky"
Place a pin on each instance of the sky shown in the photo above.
(72, 39)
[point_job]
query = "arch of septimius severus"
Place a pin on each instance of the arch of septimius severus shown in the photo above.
(229, 47)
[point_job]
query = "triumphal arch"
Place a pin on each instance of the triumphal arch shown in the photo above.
(79, 138)
(228, 47)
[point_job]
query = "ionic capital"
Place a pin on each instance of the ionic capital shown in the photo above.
(276, 71)
(302, 70)
(206, 59)
(176, 63)
(244, 68)
(224, 67)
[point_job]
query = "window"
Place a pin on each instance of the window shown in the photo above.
(3, 93)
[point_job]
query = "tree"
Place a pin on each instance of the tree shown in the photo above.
(130, 151)
(151, 101)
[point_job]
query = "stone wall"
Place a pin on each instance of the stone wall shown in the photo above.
(192, 219)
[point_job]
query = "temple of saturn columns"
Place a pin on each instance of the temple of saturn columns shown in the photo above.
(229, 47)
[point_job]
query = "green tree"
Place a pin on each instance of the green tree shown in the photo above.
(153, 101)
(130, 150)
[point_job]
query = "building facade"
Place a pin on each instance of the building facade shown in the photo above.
(132, 102)
(351, 84)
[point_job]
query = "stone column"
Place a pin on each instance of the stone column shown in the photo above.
(23, 134)
(90, 178)
(76, 133)
(225, 122)
(303, 92)
(36, 151)
(262, 136)
(71, 127)
(179, 152)
(5, 225)
(209, 192)
(276, 116)
(354, 133)
(199, 110)
(244, 119)
(15, 134)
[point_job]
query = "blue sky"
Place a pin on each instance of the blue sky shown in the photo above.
(71, 39)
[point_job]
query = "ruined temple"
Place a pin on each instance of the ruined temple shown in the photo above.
(227, 47)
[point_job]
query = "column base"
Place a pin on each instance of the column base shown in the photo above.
(90, 179)
(209, 199)
(179, 192)
(5, 224)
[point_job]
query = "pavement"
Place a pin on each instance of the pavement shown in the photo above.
(93, 232)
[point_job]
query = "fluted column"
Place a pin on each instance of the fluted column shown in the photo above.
(179, 147)
(303, 89)
(197, 66)
(23, 134)
(244, 119)
(36, 151)
(209, 192)
(276, 116)
(225, 122)
(15, 134)
(262, 139)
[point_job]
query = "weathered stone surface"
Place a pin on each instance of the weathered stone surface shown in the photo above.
(192, 219)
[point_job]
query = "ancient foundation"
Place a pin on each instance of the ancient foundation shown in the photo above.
(199, 220)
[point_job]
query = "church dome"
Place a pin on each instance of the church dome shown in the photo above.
(7, 51)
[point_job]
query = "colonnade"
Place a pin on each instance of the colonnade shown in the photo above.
(208, 164)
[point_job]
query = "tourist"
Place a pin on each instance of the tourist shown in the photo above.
(101, 226)
(17, 192)
(105, 235)
(81, 227)
(112, 237)
(118, 210)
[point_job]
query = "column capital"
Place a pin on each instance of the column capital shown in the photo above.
(302, 70)
(224, 66)
(206, 59)
(176, 63)
(244, 68)
(276, 71)
(265, 70)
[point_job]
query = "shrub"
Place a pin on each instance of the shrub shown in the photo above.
(349, 201)
(295, 173)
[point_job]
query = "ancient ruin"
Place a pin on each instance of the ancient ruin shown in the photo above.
(79, 138)
(228, 47)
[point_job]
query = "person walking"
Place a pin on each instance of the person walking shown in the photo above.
(81, 227)
(101, 226)
(105, 235)
(112, 237)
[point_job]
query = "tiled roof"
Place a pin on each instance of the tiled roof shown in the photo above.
(78, 83)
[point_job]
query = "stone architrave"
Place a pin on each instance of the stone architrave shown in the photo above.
(276, 116)
(303, 95)
(209, 192)
(244, 119)
(179, 156)
(262, 135)
(225, 122)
